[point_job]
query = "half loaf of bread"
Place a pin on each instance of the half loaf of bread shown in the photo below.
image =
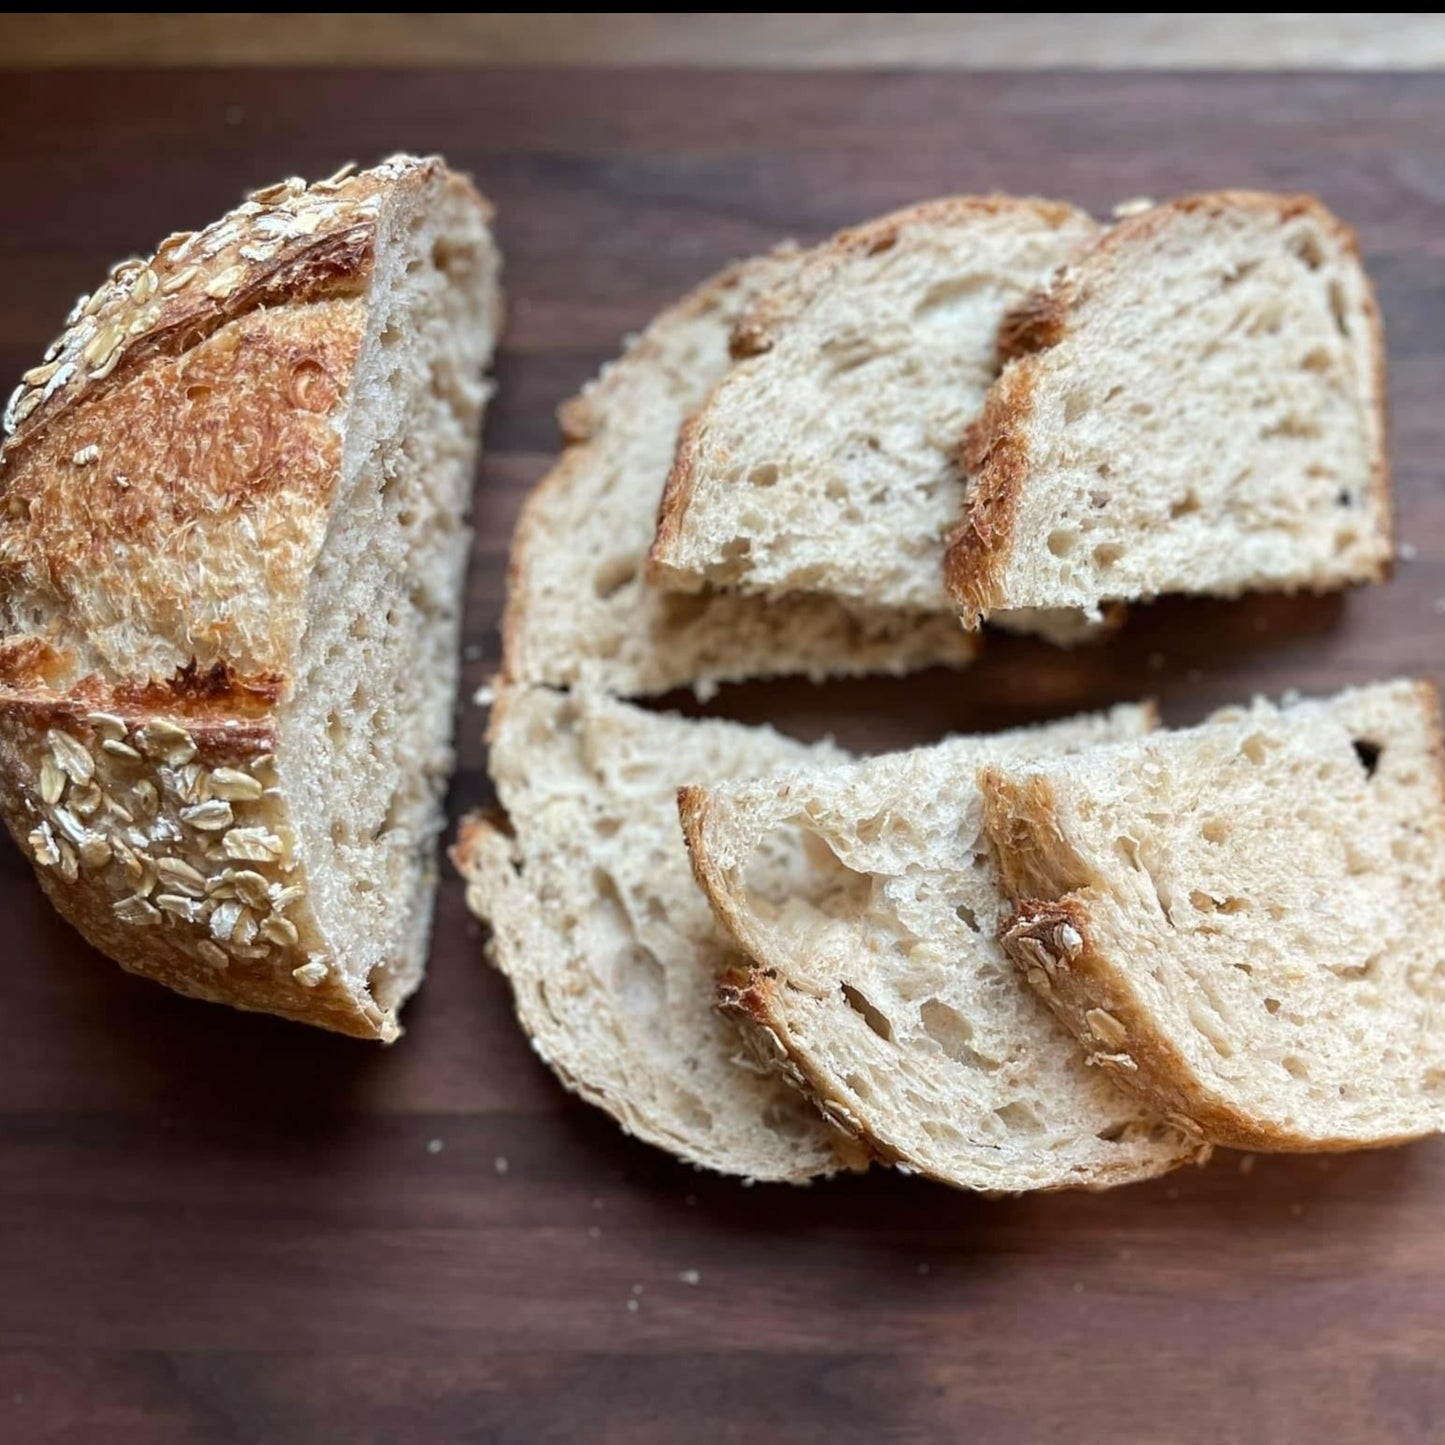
(232, 541)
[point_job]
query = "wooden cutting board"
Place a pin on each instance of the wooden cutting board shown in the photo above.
(222, 1228)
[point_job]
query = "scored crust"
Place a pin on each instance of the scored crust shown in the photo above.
(755, 333)
(994, 451)
(165, 486)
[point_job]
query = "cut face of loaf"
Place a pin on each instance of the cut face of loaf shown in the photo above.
(824, 461)
(232, 541)
(578, 609)
(1197, 407)
(1242, 922)
(609, 946)
(876, 973)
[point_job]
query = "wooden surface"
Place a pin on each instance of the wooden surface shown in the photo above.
(216, 1228)
(979, 40)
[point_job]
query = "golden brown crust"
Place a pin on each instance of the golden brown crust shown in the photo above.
(286, 243)
(165, 487)
(163, 838)
(1035, 324)
(672, 507)
(996, 456)
(186, 504)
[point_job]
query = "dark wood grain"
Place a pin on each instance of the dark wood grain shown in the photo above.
(216, 1228)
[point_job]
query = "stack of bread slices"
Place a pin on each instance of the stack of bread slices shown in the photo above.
(1075, 954)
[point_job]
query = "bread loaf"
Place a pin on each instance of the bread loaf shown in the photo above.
(232, 541)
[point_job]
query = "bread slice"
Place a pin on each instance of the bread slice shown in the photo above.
(609, 946)
(1198, 407)
(877, 977)
(1243, 922)
(577, 606)
(823, 461)
(232, 542)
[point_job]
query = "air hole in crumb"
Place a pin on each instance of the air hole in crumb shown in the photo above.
(1215, 830)
(1255, 747)
(613, 575)
(1237, 274)
(1339, 308)
(764, 475)
(1075, 405)
(1112, 1134)
(456, 260)
(1187, 504)
(393, 335)
(1344, 498)
(1295, 1067)
(1316, 359)
(335, 730)
(1307, 247)
(1020, 1118)
(1106, 554)
(1369, 755)
(1357, 971)
(967, 916)
(197, 393)
(1244, 968)
(1271, 1005)
(952, 1033)
(1062, 542)
(871, 1016)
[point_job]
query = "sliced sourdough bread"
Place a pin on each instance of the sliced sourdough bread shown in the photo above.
(609, 946)
(876, 978)
(1243, 922)
(578, 609)
(1198, 406)
(232, 544)
(824, 460)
